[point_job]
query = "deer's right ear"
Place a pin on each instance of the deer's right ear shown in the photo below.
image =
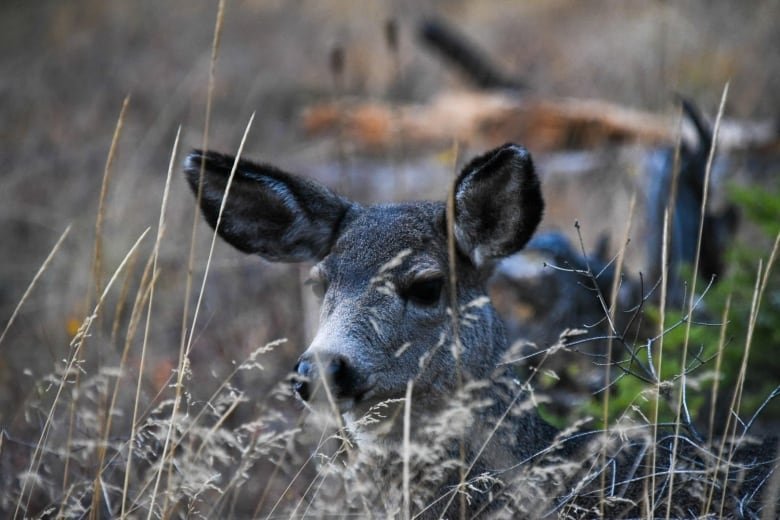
(278, 216)
(498, 204)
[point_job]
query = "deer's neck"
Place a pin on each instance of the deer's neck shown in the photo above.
(492, 423)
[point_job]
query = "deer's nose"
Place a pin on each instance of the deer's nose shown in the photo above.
(300, 382)
(337, 372)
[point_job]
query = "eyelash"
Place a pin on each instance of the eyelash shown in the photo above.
(425, 292)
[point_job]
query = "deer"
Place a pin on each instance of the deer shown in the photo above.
(405, 319)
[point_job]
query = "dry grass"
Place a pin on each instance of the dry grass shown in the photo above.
(127, 403)
(89, 460)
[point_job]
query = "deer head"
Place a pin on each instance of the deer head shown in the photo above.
(382, 271)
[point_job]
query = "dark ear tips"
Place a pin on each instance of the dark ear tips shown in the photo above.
(193, 161)
(512, 152)
(192, 166)
(213, 161)
(488, 163)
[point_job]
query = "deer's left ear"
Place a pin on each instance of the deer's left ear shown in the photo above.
(498, 204)
(279, 216)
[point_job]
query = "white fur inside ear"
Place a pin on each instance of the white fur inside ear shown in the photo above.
(282, 191)
(475, 252)
(478, 256)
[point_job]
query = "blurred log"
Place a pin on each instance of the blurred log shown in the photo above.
(491, 118)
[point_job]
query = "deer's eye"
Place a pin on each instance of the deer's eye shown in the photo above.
(424, 292)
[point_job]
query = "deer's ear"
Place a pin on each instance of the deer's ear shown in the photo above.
(498, 204)
(268, 212)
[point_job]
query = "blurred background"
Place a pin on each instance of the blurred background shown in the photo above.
(353, 94)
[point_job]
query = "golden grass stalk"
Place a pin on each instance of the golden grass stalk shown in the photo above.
(730, 431)
(667, 231)
(406, 449)
(199, 195)
(457, 347)
(183, 365)
(142, 362)
(204, 145)
(218, 24)
(660, 350)
(611, 317)
(692, 295)
(707, 503)
(758, 294)
(97, 256)
(97, 260)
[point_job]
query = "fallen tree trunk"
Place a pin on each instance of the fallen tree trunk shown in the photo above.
(490, 118)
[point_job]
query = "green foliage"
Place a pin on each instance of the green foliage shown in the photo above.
(761, 207)
(760, 226)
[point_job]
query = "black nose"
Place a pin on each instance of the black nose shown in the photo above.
(301, 381)
(337, 371)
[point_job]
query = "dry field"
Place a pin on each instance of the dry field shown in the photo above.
(123, 332)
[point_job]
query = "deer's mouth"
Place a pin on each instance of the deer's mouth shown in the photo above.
(346, 402)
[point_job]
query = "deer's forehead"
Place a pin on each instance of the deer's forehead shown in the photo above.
(389, 237)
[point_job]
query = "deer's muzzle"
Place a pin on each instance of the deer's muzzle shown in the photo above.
(335, 371)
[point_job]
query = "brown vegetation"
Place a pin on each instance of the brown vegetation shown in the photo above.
(90, 358)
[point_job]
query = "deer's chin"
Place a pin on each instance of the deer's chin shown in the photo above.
(346, 405)
(360, 401)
